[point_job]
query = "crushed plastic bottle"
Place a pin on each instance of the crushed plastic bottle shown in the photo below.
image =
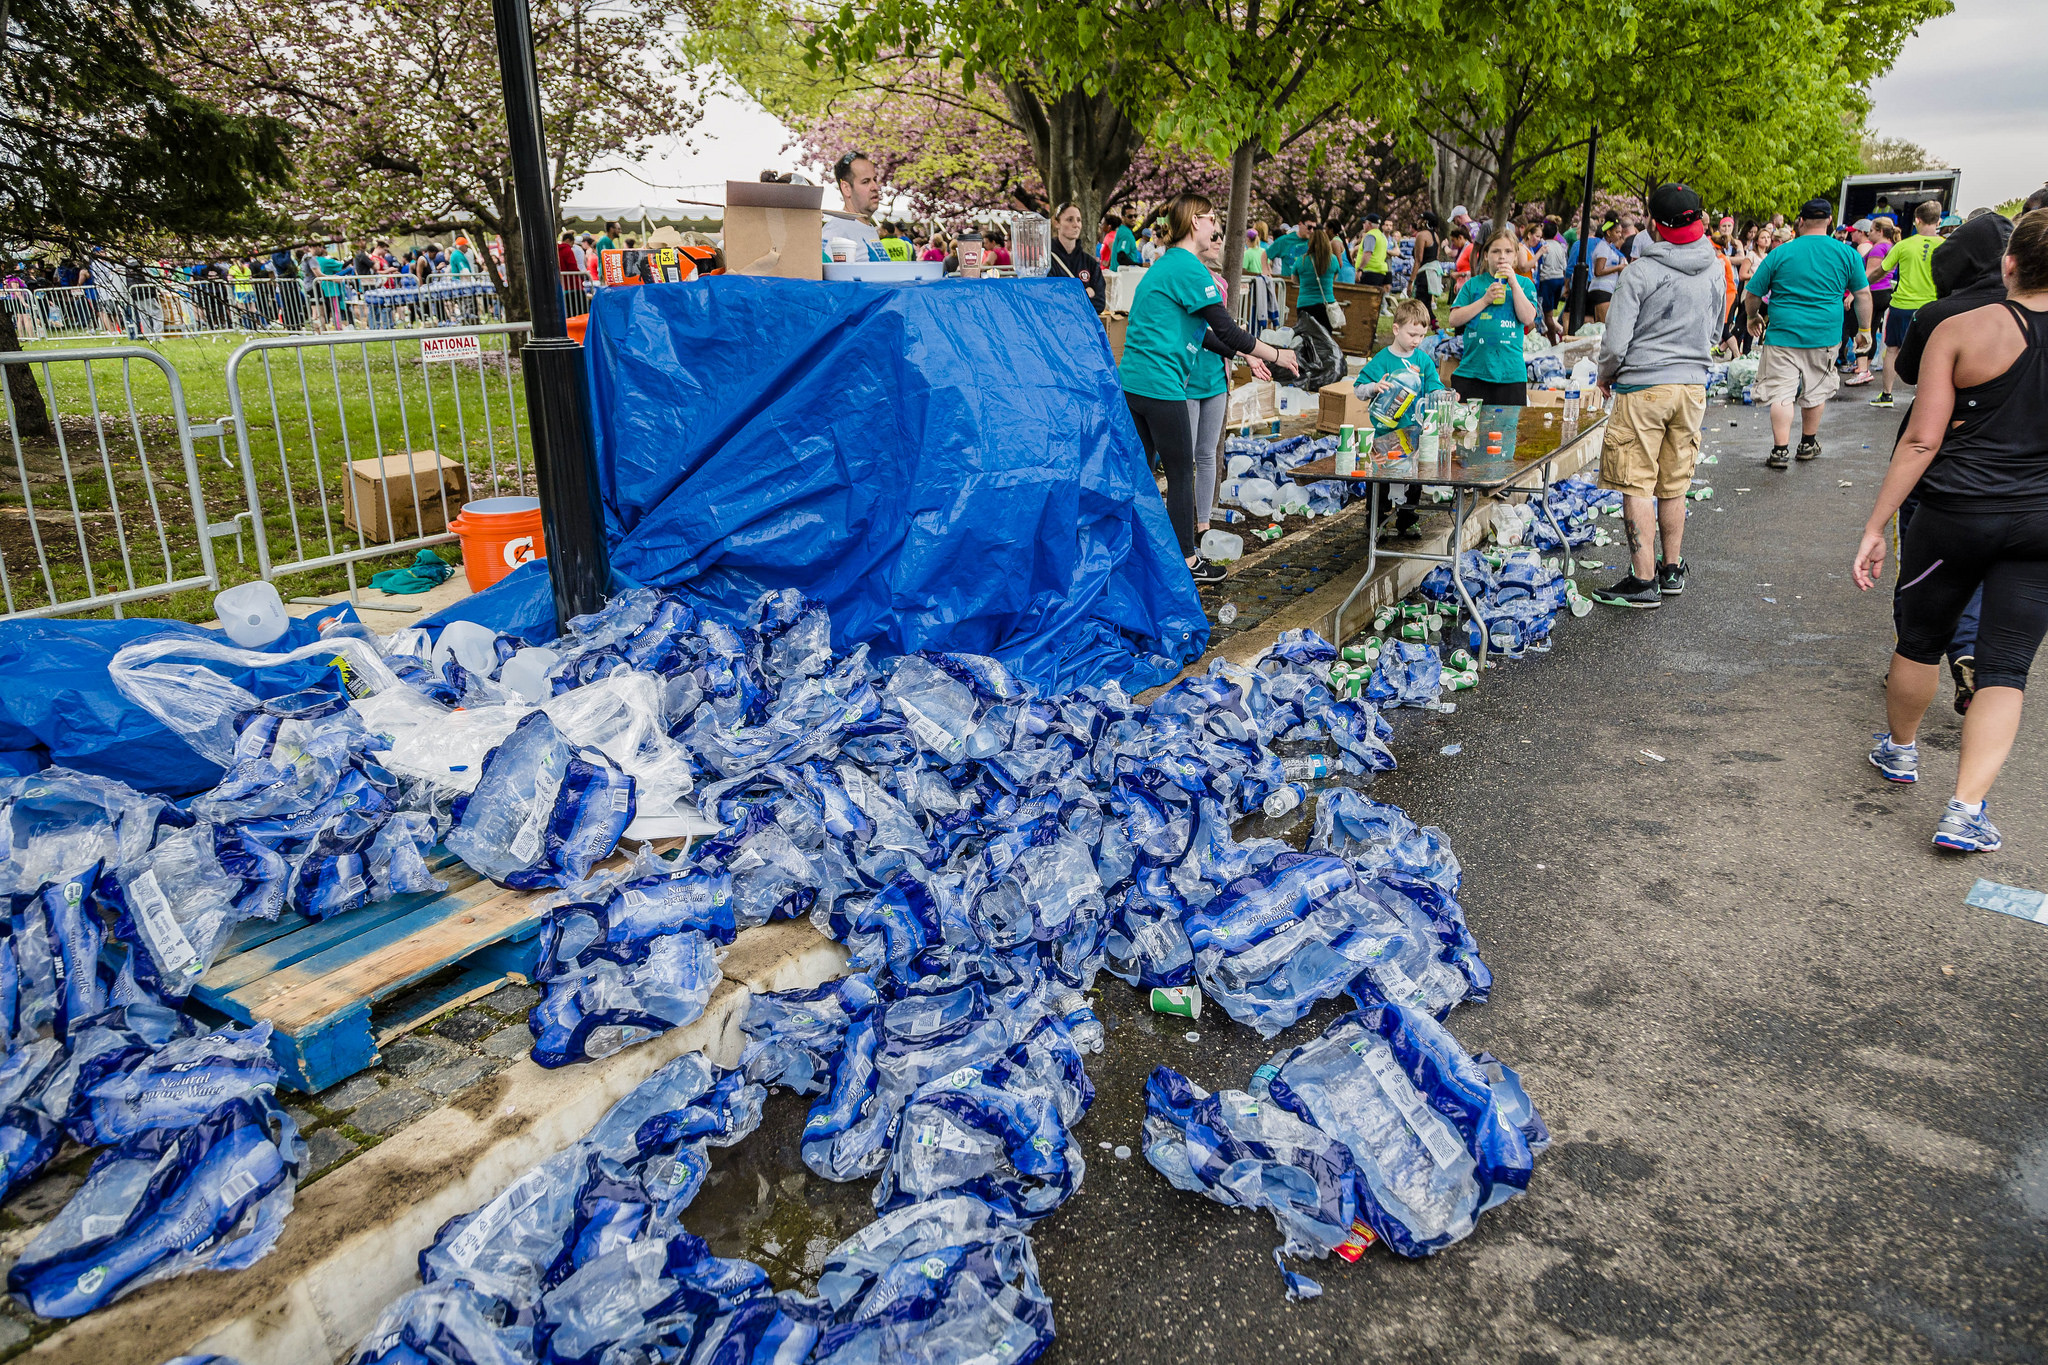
(1310, 768)
(1285, 800)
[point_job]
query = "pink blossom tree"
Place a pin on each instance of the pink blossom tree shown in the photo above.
(950, 154)
(400, 114)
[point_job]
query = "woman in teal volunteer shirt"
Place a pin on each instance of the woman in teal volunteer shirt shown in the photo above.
(1176, 307)
(1495, 309)
(1315, 271)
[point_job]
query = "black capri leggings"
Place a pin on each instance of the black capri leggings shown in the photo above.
(1945, 556)
(1168, 434)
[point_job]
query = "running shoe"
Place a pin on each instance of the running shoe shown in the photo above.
(1407, 524)
(1809, 448)
(1898, 762)
(1638, 593)
(1779, 458)
(1964, 670)
(1966, 832)
(1883, 400)
(1671, 579)
(1209, 571)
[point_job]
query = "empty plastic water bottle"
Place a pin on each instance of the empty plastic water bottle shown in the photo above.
(1073, 1007)
(1310, 768)
(1571, 404)
(1285, 800)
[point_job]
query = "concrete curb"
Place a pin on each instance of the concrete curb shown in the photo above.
(353, 1240)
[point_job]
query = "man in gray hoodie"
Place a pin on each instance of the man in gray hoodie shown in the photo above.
(1666, 314)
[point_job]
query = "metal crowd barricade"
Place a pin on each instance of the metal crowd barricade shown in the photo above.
(576, 291)
(28, 318)
(356, 437)
(173, 305)
(90, 517)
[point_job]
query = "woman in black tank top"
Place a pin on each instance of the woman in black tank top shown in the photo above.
(1977, 455)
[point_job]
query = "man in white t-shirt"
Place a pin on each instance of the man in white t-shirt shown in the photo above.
(1639, 240)
(860, 189)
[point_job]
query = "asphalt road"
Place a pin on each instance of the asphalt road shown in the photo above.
(1797, 1086)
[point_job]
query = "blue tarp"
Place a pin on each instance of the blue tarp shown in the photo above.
(57, 704)
(946, 466)
(522, 603)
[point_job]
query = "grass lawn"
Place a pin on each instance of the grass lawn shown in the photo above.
(309, 410)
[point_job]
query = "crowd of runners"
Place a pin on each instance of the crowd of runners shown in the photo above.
(1961, 305)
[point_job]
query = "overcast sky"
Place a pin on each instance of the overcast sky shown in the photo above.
(1972, 88)
(1968, 87)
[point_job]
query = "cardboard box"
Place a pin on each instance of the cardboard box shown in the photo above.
(1114, 324)
(432, 476)
(774, 230)
(1545, 398)
(1341, 407)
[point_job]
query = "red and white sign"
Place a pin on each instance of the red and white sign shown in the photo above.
(450, 348)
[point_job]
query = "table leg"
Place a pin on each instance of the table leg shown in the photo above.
(1372, 559)
(1459, 511)
(1543, 499)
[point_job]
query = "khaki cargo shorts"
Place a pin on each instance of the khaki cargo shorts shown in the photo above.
(1653, 440)
(1781, 370)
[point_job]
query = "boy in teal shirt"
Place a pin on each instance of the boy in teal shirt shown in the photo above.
(1402, 362)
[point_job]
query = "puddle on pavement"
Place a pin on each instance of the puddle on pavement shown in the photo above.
(762, 1203)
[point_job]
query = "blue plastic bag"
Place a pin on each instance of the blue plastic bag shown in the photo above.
(1421, 1119)
(166, 1202)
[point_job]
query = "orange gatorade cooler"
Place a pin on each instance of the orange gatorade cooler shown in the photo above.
(498, 535)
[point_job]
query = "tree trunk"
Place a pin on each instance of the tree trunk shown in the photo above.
(1503, 207)
(1082, 145)
(518, 301)
(1454, 181)
(1241, 162)
(31, 417)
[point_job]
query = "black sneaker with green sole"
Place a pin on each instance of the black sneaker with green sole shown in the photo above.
(1671, 579)
(1639, 593)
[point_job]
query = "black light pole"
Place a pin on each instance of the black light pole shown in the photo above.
(557, 399)
(1585, 263)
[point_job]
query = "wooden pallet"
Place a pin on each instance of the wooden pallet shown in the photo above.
(318, 982)
(327, 986)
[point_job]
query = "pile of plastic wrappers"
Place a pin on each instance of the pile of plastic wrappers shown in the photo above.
(1256, 477)
(983, 853)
